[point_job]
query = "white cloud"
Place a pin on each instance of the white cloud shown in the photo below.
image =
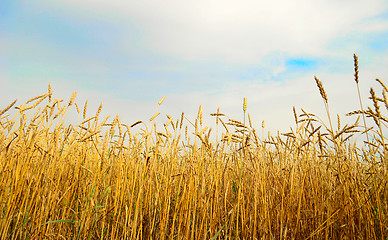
(238, 31)
(254, 32)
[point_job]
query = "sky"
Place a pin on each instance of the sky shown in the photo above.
(129, 54)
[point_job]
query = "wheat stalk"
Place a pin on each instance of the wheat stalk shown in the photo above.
(8, 107)
(161, 100)
(358, 91)
(72, 99)
(85, 108)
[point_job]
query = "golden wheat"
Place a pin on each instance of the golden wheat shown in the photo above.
(321, 89)
(8, 107)
(355, 67)
(86, 181)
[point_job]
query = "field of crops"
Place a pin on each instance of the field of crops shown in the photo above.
(95, 179)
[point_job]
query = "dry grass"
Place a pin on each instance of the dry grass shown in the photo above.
(98, 180)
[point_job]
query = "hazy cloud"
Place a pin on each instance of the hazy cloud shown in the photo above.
(239, 31)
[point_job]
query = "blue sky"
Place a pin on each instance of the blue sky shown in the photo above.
(128, 54)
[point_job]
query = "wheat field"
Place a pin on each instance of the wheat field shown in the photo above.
(108, 180)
